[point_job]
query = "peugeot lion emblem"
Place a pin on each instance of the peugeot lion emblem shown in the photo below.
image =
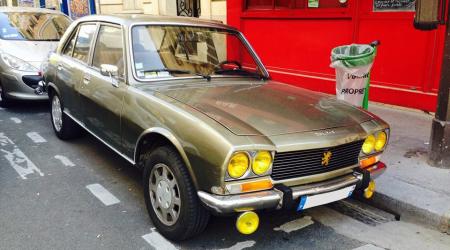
(326, 158)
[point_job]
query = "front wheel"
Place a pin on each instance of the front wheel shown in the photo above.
(64, 127)
(170, 196)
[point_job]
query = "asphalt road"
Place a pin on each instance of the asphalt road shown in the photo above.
(80, 195)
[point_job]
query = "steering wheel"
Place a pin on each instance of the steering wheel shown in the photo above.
(220, 65)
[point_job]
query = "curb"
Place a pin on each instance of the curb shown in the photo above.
(408, 212)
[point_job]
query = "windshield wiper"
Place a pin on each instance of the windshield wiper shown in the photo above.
(239, 72)
(178, 71)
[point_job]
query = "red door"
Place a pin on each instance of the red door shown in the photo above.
(294, 41)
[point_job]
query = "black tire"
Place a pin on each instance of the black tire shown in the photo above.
(193, 217)
(5, 102)
(68, 129)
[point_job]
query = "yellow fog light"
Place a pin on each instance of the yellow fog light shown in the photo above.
(380, 141)
(369, 144)
(247, 222)
(238, 165)
(261, 162)
(368, 192)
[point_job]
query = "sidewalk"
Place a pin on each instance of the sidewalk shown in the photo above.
(410, 187)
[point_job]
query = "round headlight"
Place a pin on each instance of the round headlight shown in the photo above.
(238, 165)
(381, 141)
(261, 162)
(369, 144)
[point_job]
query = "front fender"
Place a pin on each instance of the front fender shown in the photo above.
(173, 139)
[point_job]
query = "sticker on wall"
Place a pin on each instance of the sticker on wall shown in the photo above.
(78, 8)
(313, 3)
(394, 5)
(26, 3)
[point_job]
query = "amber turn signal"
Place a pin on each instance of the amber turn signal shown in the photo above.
(368, 162)
(256, 185)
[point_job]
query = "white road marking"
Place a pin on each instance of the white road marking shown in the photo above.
(36, 137)
(158, 241)
(16, 120)
(17, 159)
(368, 247)
(241, 245)
(64, 160)
(295, 224)
(102, 194)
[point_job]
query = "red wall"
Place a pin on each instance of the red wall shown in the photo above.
(295, 46)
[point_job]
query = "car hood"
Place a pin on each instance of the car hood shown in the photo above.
(267, 109)
(33, 52)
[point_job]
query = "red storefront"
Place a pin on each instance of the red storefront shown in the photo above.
(294, 39)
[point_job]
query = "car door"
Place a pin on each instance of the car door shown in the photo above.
(72, 64)
(102, 94)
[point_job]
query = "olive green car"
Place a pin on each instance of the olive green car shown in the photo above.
(190, 103)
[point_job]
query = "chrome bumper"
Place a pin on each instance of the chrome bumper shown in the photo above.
(273, 199)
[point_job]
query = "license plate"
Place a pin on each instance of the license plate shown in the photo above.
(325, 198)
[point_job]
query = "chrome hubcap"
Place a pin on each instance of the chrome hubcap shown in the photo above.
(164, 194)
(56, 113)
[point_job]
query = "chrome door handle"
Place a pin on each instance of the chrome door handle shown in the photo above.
(59, 67)
(86, 79)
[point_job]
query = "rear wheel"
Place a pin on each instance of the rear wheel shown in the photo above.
(64, 127)
(4, 101)
(170, 196)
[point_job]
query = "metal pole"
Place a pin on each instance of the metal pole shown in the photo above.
(439, 155)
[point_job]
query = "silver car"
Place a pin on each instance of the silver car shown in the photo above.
(27, 35)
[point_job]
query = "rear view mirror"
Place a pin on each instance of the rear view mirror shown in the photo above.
(427, 14)
(109, 70)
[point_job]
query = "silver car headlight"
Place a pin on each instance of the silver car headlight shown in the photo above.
(17, 63)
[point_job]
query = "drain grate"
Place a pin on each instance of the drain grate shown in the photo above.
(362, 212)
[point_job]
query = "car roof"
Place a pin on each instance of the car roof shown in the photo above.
(130, 19)
(29, 9)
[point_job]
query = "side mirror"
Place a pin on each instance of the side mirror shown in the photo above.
(109, 70)
(427, 14)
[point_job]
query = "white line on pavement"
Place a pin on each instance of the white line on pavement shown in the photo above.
(36, 137)
(368, 247)
(17, 159)
(16, 120)
(102, 194)
(295, 224)
(64, 160)
(241, 245)
(157, 241)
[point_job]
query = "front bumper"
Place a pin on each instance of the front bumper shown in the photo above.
(285, 197)
(20, 85)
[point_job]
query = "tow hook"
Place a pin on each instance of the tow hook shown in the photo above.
(39, 90)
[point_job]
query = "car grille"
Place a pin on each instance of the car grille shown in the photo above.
(295, 164)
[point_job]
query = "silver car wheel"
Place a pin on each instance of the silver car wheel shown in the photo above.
(56, 113)
(164, 194)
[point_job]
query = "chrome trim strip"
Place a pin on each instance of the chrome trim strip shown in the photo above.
(233, 203)
(100, 139)
(272, 198)
(327, 186)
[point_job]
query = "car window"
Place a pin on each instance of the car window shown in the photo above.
(83, 43)
(69, 47)
(32, 26)
(109, 48)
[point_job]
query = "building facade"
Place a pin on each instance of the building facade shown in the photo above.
(209, 9)
(294, 39)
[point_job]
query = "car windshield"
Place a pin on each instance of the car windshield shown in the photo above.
(179, 51)
(31, 26)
